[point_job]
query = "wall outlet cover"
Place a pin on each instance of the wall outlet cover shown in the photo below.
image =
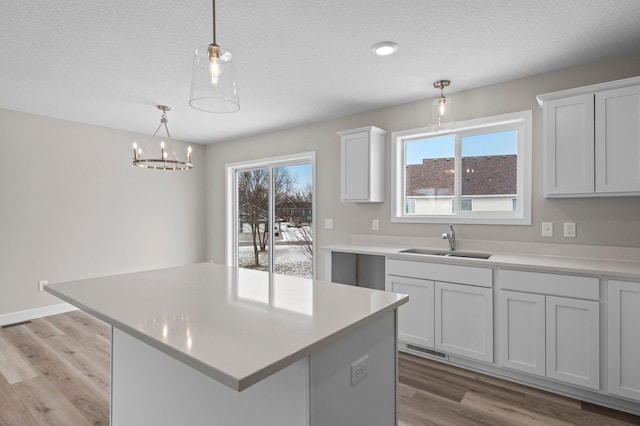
(328, 224)
(359, 370)
(547, 229)
(375, 224)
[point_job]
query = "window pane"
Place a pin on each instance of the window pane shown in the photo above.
(293, 220)
(253, 219)
(430, 175)
(490, 172)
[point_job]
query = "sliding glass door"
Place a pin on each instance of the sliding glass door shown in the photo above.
(273, 215)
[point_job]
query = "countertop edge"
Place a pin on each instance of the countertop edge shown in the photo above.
(504, 260)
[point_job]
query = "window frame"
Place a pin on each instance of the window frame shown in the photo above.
(521, 121)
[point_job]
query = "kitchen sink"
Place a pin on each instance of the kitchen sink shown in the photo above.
(471, 255)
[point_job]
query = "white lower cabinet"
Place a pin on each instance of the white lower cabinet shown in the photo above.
(521, 331)
(573, 341)
(546, 335)
(415, 318)
(624, 339)
(455, 318)
(464, 320)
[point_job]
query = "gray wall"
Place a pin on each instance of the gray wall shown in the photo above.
(610, 221)
(72, 206)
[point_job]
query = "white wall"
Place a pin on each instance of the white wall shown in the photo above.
(611, 221)
(72, 206)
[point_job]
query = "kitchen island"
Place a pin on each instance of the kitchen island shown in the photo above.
(210, 344)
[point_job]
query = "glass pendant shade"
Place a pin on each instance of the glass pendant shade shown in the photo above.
(442, 114)
(442, 110)
(213, 81)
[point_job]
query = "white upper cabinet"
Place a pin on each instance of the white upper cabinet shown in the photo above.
(592, 140)
(618, 140)
(569, 155)
(362, 165)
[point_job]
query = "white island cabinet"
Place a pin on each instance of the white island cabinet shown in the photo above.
(209, 344)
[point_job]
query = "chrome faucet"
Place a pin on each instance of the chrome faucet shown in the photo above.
(451, 237)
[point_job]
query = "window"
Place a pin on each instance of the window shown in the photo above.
(479, 172)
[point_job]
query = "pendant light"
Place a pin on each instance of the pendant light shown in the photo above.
(213, 81)
(442, 114)
(167, 158)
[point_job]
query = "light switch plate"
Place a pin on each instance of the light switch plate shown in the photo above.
(328, 224)
(547, 229)
(570, 229)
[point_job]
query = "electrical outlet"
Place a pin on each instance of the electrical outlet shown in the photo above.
(41, 284)
(375, 224)
(359, 370)
(328, 224)
(547, 229)
(570, 229)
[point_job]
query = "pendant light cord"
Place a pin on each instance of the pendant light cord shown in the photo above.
(214, 20)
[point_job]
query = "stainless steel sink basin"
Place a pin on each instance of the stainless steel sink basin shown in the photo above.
(466, 254)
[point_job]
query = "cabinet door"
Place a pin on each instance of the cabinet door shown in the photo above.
(415, 318)
(355, 166)
(573, 350)
(618, 140)
(624, 339)
(521, 327)
(464, 320)
(568, 146)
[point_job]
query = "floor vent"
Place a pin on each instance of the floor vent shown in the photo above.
(15, 323)
(427, 351)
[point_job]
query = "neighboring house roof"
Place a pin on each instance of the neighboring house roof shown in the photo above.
(485, 175)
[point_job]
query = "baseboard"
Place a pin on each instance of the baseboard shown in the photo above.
(21, 316)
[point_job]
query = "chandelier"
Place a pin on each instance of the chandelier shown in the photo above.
(168, 159)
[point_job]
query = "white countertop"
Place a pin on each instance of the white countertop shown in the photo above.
(606, 268)
(237, 326)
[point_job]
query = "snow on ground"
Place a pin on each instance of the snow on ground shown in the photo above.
(289, 260)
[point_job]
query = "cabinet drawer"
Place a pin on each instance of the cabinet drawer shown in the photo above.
(550, 284)
(438, 272)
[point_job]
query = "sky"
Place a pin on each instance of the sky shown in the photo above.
(501, 143)
(301, 174)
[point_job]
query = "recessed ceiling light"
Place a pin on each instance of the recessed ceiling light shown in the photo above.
(384, 48)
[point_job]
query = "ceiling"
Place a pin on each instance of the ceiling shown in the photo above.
(109, 62)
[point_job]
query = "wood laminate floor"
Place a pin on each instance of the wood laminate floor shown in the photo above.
(55, 371)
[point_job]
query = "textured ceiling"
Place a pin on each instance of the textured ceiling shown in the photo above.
(108, 62)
